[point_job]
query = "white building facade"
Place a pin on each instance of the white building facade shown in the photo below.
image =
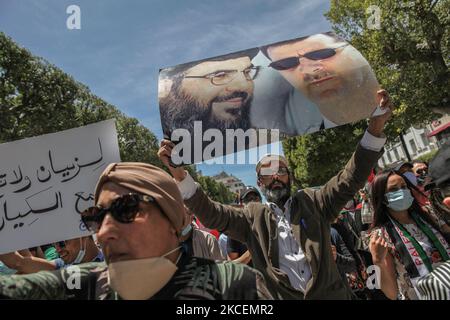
(233, 184)
(419, 141)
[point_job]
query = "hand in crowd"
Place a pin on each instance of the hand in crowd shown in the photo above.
(378, 247)
(376, 123)
(165, 154)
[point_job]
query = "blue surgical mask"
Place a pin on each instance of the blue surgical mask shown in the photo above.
(399, 200)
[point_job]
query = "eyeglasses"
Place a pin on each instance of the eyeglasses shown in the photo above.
(269, 172)
(422, 171)
(223, 77)
(123, 209)
(292, 62)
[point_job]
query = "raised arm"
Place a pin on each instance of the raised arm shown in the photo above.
(212, 214)
(25, 264)
(341, 188)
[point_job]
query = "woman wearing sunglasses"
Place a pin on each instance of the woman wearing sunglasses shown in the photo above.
(329, 72)
(405, 243)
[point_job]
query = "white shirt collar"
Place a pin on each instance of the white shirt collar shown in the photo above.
(277, 209)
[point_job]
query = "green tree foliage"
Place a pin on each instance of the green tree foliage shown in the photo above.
(38, 98)
(428, 156)
(409, 54)
(215, 190)
(315, 158)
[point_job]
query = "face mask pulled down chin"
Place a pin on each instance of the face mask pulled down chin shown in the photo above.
(278, 194)
(141, 279)
(399, 200)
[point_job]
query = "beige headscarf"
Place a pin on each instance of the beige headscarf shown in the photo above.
(148, 180)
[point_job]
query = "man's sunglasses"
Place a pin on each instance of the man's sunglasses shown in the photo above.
(422, 171)
(292, 62)
(123, 209)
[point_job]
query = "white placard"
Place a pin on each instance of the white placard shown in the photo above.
(46, 181)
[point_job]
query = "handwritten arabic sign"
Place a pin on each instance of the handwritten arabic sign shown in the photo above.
(46, 181)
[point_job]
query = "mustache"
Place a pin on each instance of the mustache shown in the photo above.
(270, 186)
(310, 77)
(235, 94)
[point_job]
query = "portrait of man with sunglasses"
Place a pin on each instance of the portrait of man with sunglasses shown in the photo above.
(329, 72)
(217, 91)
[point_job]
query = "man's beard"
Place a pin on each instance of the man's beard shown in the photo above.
(180, 110)
(277, 195)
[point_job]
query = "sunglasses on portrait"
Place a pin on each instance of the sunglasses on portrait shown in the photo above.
(292, 62)
(123, 209)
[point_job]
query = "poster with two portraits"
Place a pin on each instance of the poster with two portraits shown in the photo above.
(289, 88)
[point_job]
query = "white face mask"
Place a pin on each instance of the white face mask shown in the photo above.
(80, 255)
(140, 279)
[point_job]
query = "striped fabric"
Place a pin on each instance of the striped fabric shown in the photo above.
(436, 285)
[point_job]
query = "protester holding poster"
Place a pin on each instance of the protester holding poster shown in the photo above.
(283, 236)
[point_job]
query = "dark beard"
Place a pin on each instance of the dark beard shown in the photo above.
(180, 110)
(242, 122)
(280, 195)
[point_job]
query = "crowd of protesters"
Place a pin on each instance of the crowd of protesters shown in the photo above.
(362, 235)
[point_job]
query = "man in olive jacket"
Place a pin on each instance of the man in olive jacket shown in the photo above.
(291, 247)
